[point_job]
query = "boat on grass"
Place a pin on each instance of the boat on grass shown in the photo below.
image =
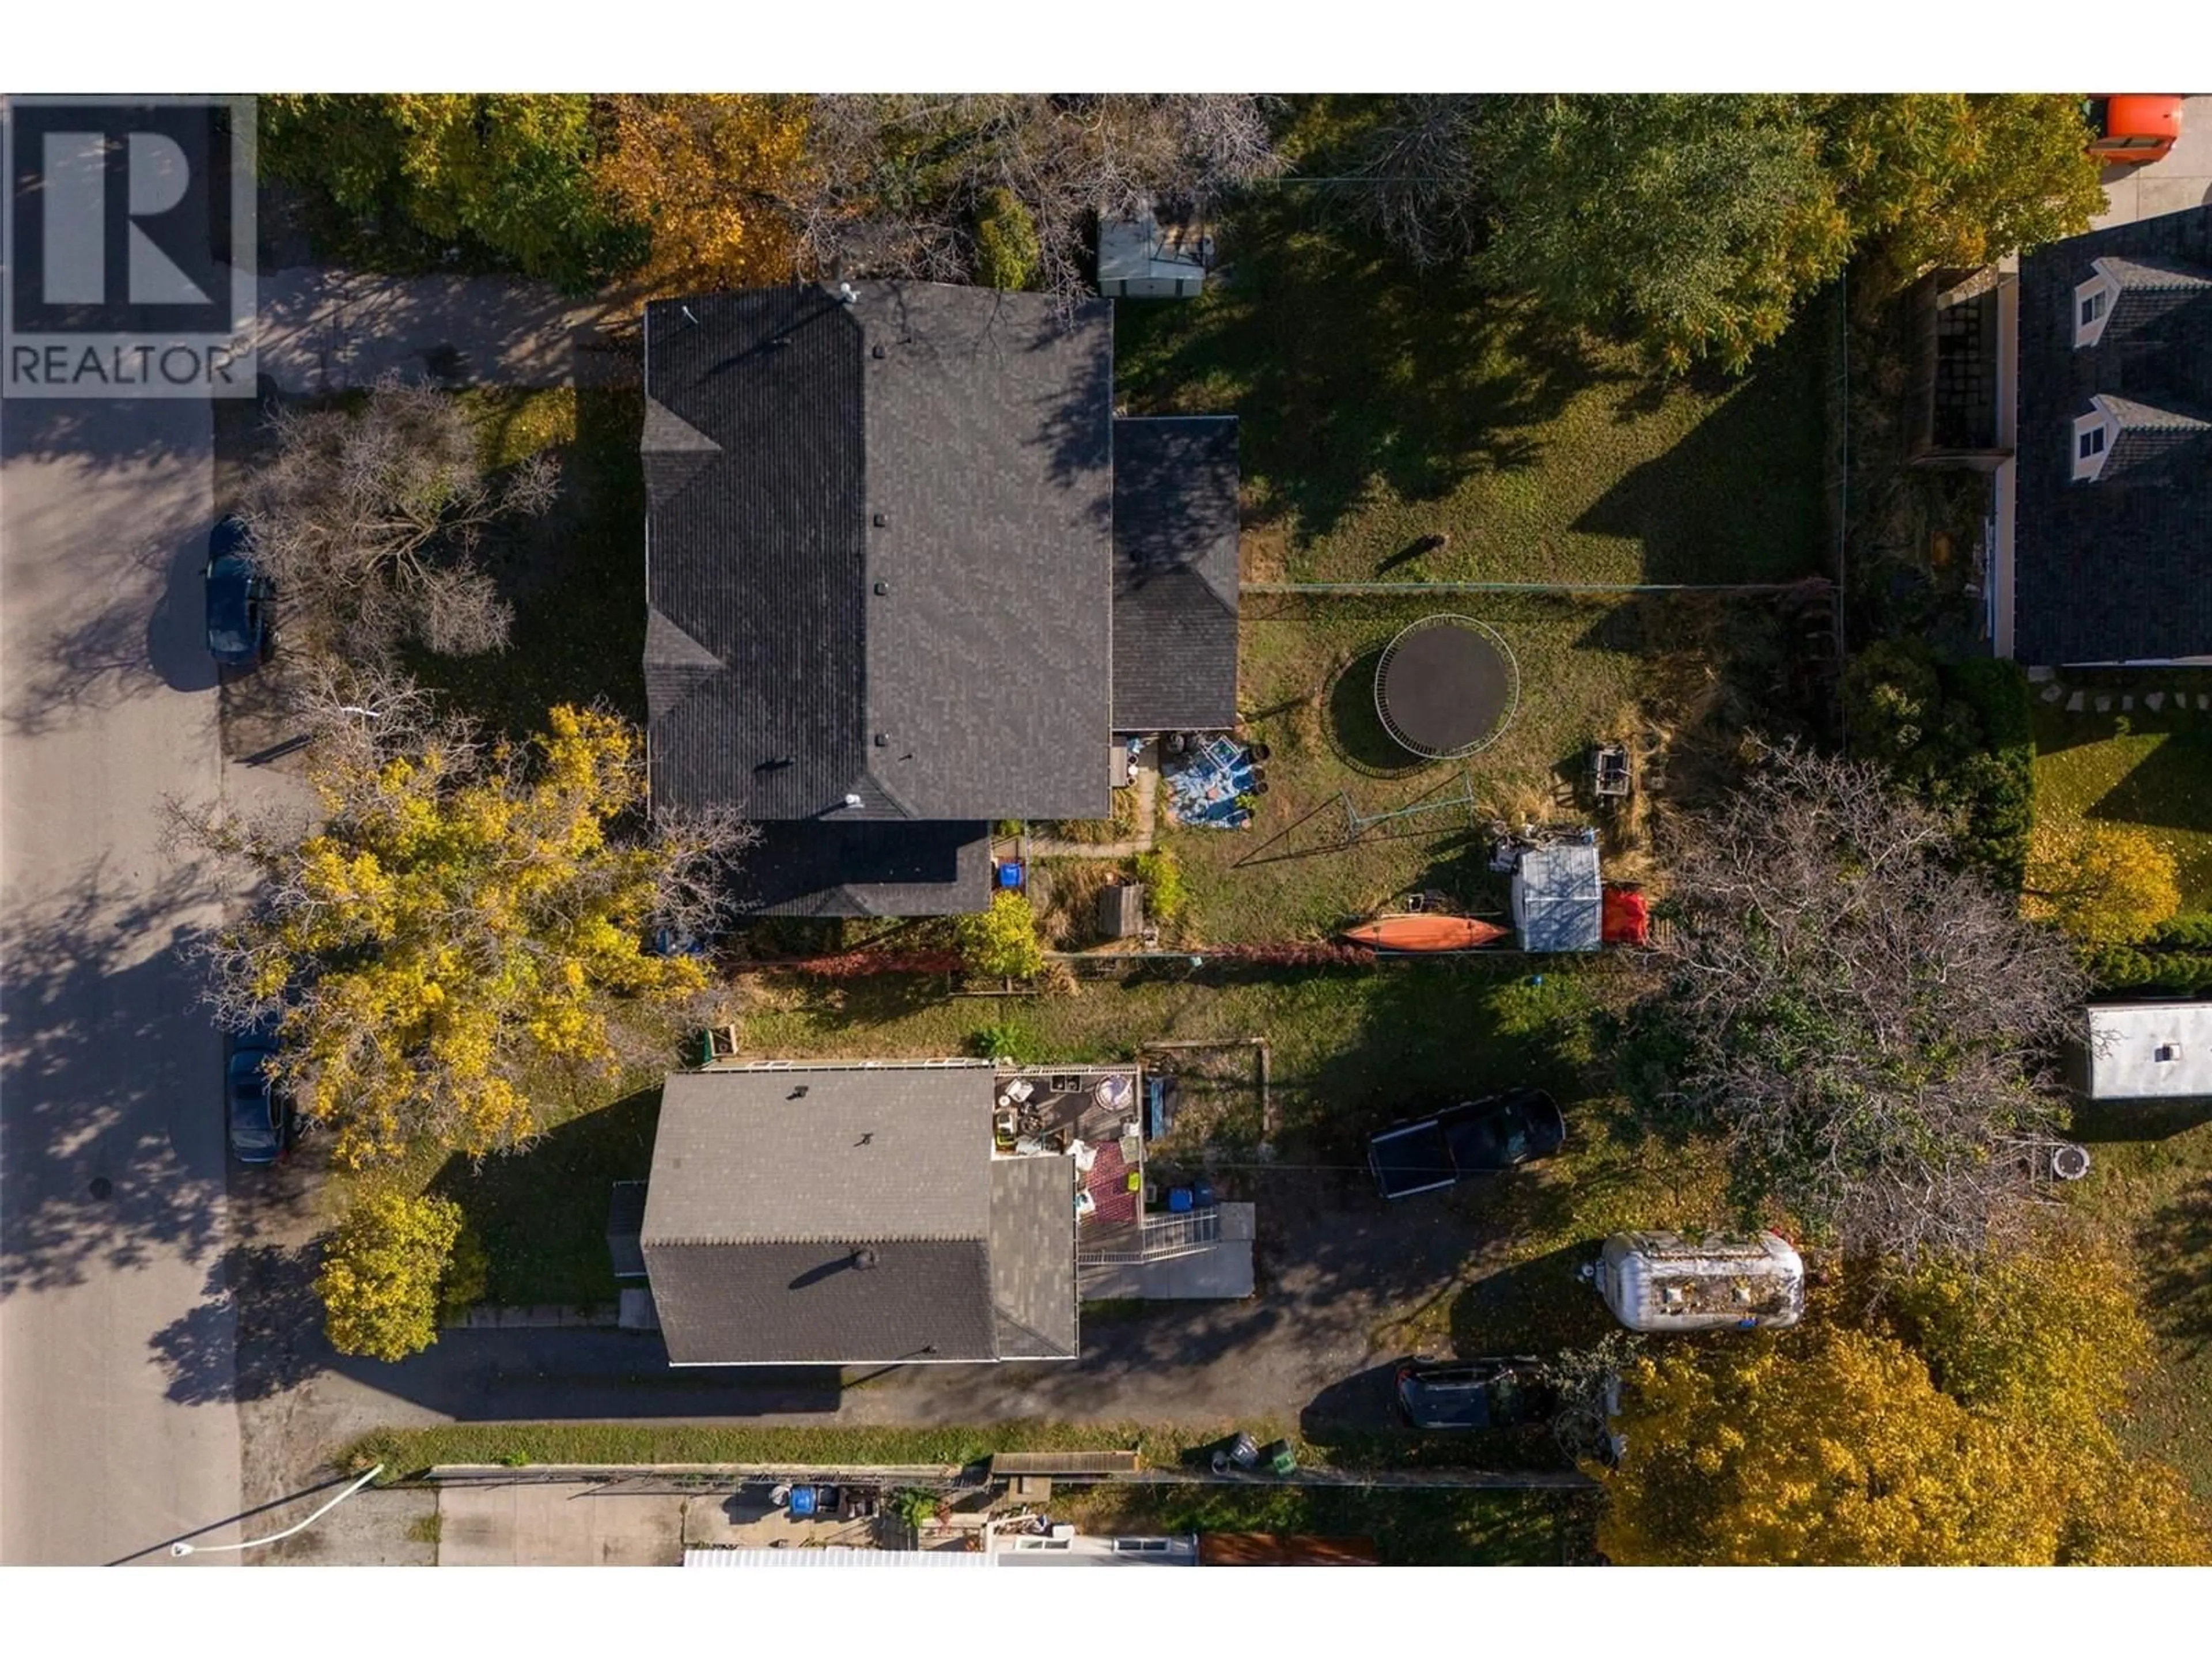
(1419, 930)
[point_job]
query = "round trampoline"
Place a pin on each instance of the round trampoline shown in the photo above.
(1446, 686)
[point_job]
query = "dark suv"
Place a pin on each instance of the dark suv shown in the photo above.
(241, 602)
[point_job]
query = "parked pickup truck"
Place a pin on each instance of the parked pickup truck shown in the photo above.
(1476, 1137)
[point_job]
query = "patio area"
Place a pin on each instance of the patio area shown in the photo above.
(1091, 1114)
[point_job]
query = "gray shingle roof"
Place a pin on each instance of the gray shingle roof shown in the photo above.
(948, 446)
(1033, 1257)
(2112, 570)
(848, 1216)
(871, 868)
(1175, 573)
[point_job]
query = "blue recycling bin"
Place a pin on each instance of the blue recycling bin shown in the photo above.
(1179, 1200)
(1009, 874)
(802, 1502)
(1201, 1192)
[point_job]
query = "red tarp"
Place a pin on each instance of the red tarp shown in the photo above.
(1627, 917)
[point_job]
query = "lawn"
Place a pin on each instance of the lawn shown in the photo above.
(2151, 1187)
(1628, 668)
(2141, 767)
(1381, 405)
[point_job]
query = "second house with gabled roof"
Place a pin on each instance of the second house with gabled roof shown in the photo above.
(907, 575)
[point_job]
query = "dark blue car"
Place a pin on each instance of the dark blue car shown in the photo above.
(241, 602)
(260, 1116)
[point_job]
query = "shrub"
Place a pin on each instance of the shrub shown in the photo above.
(1002, 939)
(381, 1272)
(1959, 734)
(1008, 1040)
(1165, 896)
(1007, 252)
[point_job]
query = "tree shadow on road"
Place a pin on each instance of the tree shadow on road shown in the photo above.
(256, 1331)
(112, 1079)
(127, 636)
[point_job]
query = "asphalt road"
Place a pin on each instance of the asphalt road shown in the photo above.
(113, 1208)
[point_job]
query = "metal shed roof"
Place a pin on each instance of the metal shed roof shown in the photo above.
(1559, 898)
(2150, 1050)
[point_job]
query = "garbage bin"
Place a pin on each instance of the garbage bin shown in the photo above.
(1281, 1460)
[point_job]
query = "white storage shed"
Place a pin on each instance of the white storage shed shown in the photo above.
(2148, 1050)
(1140, 258)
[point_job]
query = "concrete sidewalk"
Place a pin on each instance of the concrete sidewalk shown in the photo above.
(586, 1524)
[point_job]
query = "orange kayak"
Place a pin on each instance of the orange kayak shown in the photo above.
(1423, 932)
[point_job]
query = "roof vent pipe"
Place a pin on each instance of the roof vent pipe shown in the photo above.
(864, 1258)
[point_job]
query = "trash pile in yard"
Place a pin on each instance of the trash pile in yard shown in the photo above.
(1212, 782)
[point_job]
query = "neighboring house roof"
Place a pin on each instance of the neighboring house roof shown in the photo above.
(1175, 573)
(2110, 569)
(851, 1216)
(1558, 899)
(869, 868)
(878, 552)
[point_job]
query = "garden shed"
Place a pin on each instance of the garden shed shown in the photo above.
(2148, 1050)
(1559, 898)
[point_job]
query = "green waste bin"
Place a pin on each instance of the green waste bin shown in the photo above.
(1280, 1458)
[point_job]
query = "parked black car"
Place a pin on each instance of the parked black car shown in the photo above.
(1514, 1391)
(241, 602)
(260, 1116)
(1503, 1391)
(1476, 1137)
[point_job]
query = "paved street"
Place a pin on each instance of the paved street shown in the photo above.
(111, 1142)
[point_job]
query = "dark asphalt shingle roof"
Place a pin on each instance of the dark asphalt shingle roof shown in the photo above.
(1175, 573)
(782, 425)
(768, 1185)
(2112, 570)
(870, 868)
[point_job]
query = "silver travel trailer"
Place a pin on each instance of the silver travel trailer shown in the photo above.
(1666, 1282)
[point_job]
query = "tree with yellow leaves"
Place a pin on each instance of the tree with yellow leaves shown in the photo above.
(714, 175)
(1969, 1423)
(1818, 1446)
(2104, 883)
(464, 917)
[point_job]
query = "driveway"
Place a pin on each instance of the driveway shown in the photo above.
(2182, 180)
(112, 1157)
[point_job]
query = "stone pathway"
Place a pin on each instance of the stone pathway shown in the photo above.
(1146, 774)
(2078, 701)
